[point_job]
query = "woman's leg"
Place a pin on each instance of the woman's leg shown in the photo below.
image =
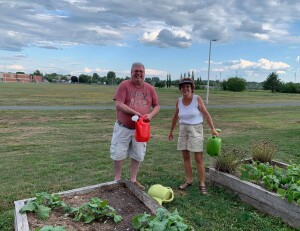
(187, 166)
(200, 167)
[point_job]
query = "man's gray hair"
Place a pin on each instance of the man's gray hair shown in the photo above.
(137, 64)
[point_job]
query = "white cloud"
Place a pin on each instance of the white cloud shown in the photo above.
(270, 65)
(167, 38)
(12, 68)
(261, 64)
(177, 23)
(153, 72)
(87, 70)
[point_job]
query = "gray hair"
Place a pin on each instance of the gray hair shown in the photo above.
(137, 64)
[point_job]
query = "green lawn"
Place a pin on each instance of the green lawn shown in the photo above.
(59, 150)
(74, 94)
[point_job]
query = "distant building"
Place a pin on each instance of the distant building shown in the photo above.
(21, 78)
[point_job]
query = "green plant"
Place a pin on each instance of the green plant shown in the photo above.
(286, 182)
(263, 151)
(51, 228)
(42, 205)
(229, 160)
(96, 209)
(162, 221)
(92, 210)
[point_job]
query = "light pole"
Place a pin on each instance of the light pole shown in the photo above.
(207, 87)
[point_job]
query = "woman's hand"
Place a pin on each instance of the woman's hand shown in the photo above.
(214, 132)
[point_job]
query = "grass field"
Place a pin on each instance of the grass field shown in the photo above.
(59, 150)
(74, 94)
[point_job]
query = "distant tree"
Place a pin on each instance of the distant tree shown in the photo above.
(74, 79)
(272, 82)
(290, 87)
(64, 78)
(148, 80)
(235, 84)
(160, 84)
(168, 80)
(95, 77)
(155, 79)
(51, 77)
(37, 72)
(111, 76)
(197, 84)
(84, 78)
(20, 72)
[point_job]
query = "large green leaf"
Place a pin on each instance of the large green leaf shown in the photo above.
(29, 206)
(43, 212)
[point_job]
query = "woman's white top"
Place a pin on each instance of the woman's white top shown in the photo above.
(189, 114)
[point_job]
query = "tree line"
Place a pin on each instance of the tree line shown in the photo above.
(237, 84)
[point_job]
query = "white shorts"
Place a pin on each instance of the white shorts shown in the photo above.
(123, 144)
(190, 138)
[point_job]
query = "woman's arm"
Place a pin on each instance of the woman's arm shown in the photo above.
(202, 108)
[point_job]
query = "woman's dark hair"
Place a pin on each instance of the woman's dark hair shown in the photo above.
(186, 81)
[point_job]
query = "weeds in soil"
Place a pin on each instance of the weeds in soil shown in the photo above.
(229, 160)
(263, 151)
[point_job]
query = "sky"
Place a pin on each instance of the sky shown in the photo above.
(170, 37)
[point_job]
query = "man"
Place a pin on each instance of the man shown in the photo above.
(132, 97)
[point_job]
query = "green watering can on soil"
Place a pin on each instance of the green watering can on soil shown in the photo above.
(214, 144)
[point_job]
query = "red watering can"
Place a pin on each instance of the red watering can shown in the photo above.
(142, 129)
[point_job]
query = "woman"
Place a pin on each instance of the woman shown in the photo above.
(190, 111)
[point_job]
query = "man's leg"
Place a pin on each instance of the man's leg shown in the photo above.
(118, 165)
(135, 165)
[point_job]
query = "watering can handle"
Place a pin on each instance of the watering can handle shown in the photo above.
(171, 193)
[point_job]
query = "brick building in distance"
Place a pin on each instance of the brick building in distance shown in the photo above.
(19, 78)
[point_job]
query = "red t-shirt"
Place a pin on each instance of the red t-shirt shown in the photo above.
(139, 99)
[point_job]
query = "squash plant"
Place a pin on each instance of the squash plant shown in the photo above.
(51, 228)
(96, 209)
(162, 221)
(92, 210)
(43, 203)
(284, 181)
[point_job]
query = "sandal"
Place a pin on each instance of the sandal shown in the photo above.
(185, 186)
(203, 190)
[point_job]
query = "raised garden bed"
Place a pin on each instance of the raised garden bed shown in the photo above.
(257, 196)
(127, 199)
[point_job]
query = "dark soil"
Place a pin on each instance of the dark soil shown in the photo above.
(119, 197)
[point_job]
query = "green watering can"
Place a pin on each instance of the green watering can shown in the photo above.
(214, 144)
(160, 193)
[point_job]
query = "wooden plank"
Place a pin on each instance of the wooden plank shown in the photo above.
(271, 210)
(144, 197)
(21, 222)
(270, 202)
